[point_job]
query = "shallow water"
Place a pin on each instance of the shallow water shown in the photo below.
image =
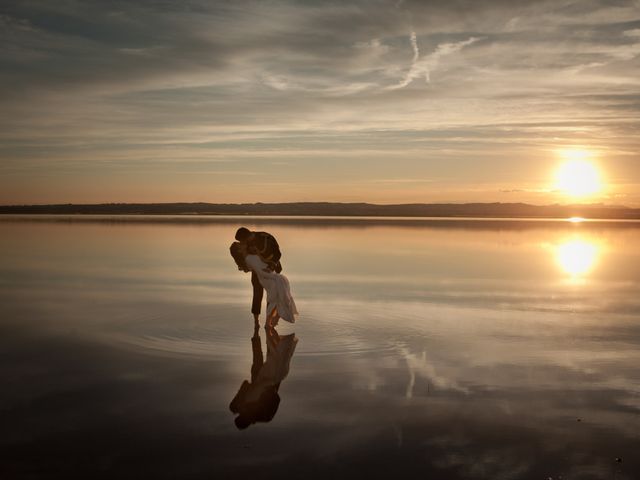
(449, 349)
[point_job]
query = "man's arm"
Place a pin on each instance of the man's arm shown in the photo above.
(276, 249)
(267, 247)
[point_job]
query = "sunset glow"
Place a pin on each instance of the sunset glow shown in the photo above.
(399, 235)
(388, 102)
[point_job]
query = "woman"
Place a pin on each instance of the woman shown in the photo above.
(280, 303)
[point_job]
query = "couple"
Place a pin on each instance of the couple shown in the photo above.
(258, 400)
(259, 253)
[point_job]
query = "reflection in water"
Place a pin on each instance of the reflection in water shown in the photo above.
(458, 353)
(577, 256)
(258, 400)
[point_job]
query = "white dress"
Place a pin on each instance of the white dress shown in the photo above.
(277, 287)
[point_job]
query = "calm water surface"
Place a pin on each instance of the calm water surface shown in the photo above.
(447, 349)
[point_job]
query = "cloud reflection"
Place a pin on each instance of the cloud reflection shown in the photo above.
(475, 365)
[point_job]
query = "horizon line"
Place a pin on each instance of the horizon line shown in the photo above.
(316, 202)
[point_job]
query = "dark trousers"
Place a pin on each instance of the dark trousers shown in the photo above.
(258, 291)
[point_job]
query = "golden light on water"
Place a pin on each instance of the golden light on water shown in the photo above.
(578, 176)
(577, 256)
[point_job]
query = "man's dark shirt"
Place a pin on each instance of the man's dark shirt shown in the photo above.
(265, 245)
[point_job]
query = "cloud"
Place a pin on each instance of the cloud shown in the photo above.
(422, 67)
(414, 45)
(89, 84)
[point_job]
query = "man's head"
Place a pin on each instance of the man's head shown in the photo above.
(243, 234)
(262, 410)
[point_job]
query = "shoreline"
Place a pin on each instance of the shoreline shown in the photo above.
(318, 220)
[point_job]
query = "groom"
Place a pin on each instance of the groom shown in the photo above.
(265, 245)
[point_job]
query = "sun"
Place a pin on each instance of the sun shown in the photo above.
(578, 176)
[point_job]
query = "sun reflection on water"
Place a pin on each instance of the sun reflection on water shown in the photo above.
(577, 256)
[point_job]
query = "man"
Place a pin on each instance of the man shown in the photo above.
(266, 246)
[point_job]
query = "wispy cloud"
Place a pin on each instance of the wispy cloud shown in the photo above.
(422, 67)
(93, 91)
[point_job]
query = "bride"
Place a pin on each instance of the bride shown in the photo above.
(280, 303)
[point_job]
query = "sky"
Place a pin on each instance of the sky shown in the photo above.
(282, 101)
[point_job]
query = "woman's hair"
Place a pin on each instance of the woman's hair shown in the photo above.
(236, 251)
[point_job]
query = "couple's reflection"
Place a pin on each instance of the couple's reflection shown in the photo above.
(258, 400)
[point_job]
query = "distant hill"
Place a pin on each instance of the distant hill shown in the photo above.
(474, 210)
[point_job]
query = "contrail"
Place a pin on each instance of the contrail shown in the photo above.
(414, 44)
(424, 66)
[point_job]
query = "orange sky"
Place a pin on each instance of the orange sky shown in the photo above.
(389, 102)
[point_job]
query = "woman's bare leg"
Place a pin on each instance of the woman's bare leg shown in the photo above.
(272, 318)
